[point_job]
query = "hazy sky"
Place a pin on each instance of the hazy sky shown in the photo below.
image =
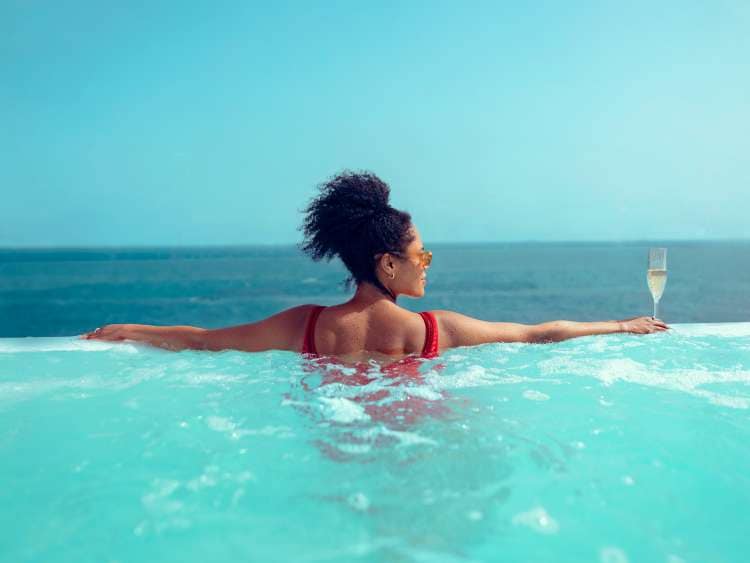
(213, 122)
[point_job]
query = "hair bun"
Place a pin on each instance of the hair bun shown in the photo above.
(362, 189)
(346, 203)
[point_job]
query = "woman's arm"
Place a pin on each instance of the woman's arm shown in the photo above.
(281, 331)
(169, 337)
(556, 331)
(456, 329)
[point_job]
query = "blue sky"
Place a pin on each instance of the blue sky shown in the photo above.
(212, 123)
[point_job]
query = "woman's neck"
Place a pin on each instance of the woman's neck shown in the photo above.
(367, 295)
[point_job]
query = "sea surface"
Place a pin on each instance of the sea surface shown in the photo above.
(59, 292)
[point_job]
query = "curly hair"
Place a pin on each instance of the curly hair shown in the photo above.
(352, 219)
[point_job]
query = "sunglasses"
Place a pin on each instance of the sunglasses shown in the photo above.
(425, 256)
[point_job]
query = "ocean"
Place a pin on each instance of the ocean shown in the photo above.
(62, 292)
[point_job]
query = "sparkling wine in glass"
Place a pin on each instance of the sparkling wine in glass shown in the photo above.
(657, 275)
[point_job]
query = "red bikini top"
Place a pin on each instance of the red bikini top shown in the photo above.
(430, 349)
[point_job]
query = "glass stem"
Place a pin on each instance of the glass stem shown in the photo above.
(656, 309)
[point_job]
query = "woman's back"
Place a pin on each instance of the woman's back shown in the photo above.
(350, 332)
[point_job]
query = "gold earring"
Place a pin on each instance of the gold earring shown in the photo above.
(393, 275)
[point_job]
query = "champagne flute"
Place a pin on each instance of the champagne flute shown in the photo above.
(657, 275)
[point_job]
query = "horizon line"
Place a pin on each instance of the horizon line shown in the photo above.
(295, 244)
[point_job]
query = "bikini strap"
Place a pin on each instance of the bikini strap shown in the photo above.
(431, 344)
(308, 346)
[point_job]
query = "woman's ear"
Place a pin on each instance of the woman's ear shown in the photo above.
(386, 263)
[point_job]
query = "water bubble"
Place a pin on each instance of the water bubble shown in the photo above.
(358, 501)
(532, 395)
(220, 424)
(538, 520)
(140, 529)
(246, 476)
(612, 554)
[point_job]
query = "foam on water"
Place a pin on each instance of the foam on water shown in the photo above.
(63, 344)
(612, 448)
(538, 520)
(342, 410)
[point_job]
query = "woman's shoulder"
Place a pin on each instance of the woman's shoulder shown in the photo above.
(297, 311)
(442, 319)
(455, 329)
(303, 311)
(440, 314)
(281, 331)
(458, 329)
(294, 319)
(293, 322)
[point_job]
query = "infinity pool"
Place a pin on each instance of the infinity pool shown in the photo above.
(605, 449)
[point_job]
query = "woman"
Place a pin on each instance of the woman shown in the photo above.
(384, 254)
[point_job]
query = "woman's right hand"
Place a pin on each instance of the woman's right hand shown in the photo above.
(111, 332)
(643, 325)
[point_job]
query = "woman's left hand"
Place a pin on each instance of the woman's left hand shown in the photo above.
(110, 332)
(643, 325)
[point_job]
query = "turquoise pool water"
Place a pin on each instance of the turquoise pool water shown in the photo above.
(604, 449)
